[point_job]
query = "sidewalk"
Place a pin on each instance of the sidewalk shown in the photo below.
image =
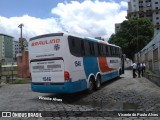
(151, 77)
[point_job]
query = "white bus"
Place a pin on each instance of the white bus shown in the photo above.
(64, 63)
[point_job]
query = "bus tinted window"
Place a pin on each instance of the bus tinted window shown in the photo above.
(111, 52)
(87, 50)
(107, 50)
(100, 49)
(96, 49)
(104, 50)
(76, 46)
(91, 46)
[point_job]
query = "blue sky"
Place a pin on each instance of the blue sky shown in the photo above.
(83, 17)
(36, 8)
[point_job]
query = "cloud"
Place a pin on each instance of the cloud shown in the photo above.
(32, 26)
(87, 18)
(90, 18)
(124, 4)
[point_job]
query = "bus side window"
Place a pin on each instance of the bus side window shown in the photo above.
(91, 46)
(111, 51)
(100, 50)
(82, 48)
(104, 50)
(73, 42)
(107, 51)
(117, 52)
(76, 46)
(96, 49)
(86, 47)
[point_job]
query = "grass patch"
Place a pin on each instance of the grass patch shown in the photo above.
(18, 81)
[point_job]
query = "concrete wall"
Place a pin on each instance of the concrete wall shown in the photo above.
(150, 54)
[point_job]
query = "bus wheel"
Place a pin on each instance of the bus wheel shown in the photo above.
(98, 83)
(91, 85)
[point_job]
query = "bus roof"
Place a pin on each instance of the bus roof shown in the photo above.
(46, 35)
(62, 33)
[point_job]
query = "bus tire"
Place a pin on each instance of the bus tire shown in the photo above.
(91, 85)
(98, 83)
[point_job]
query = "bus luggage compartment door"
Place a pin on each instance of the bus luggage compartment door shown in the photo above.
(48, 71)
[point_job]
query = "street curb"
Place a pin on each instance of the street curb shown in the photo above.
(152, 78)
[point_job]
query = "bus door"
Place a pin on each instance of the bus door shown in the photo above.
(123, 58)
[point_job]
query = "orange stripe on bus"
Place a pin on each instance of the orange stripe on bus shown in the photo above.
(103, 64)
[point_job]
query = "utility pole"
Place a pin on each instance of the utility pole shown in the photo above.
(21, 37)
(21, 43)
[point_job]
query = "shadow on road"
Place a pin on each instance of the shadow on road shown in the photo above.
(85, 99)
(76, 97)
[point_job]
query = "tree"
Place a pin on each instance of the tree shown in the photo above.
(133, 35)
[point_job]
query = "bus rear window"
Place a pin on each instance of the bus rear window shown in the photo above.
(76, 46)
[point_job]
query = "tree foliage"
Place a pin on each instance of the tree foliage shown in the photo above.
(133, 35)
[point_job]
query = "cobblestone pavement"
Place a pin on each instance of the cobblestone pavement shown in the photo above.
(124, 94)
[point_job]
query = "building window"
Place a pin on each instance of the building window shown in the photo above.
(157, 12)
(156, 8)
(156, 2)
(157, 18)
(157, 28)
(157, 23)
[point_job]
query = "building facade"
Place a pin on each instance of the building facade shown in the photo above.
(6, 48)
(15, 49)
(150, 54)
(145, 8)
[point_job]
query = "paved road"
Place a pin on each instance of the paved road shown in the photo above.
(124, 94)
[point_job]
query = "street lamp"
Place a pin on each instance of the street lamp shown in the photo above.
(21, 37)
(21, 43)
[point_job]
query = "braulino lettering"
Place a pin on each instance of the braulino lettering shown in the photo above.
(45, 42)
(57, 40)
(33, 44)
(36, 43)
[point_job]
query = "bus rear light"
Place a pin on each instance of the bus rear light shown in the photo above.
(66, 76)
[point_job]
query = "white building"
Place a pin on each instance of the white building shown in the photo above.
(150, 54)
(16, 49)
(6, 48)
(145, 8)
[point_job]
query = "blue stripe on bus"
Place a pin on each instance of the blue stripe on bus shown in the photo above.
(90, 65)
(67, 87)
(109, 76)
(91, 39)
